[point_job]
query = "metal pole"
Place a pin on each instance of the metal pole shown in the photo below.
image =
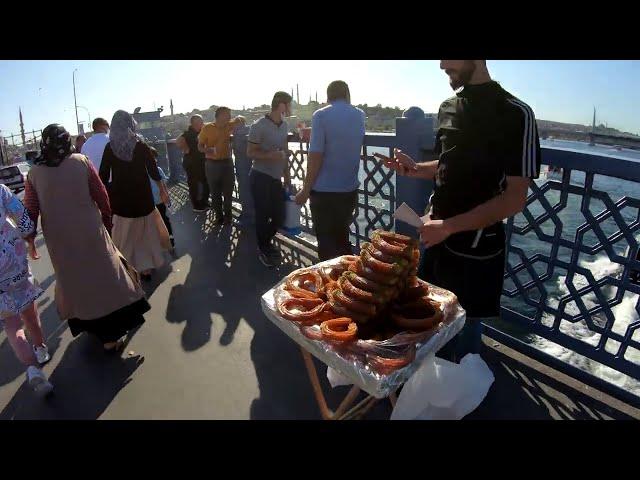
(74, 102)
(88, 114)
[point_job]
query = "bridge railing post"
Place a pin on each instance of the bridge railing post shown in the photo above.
(174, 156)
(414, 135)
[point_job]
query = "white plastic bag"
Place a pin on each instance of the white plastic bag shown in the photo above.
(443, 390)
(292, 215)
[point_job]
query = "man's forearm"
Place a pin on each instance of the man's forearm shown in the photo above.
(314, 163)
(426, 170)
(258, 153)
(201, 147)
(484, 215)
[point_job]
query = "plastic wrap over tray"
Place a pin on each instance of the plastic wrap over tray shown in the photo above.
(360, 361)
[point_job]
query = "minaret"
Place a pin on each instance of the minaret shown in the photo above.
(316, 96)
(21, 126)
(593, 128)
(171, 106)
(297, 94)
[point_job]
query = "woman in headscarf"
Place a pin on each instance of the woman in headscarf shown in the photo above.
(97, 291)
(138, 229)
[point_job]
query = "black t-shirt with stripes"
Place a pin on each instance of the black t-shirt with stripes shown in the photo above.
(485, 134)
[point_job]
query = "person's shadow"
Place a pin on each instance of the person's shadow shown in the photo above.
(211, 286)
(86, 381)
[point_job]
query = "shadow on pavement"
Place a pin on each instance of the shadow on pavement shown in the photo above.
(520, 392)
(52, 328)
(85, 381)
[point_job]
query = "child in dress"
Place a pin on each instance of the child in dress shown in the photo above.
(162, 208)
(18, 291)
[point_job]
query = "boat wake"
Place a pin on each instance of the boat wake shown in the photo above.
(625, 314)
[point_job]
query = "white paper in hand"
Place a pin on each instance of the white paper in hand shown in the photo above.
(406, 214)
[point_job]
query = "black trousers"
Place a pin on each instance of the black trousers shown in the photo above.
(197, 181)
(221, 178)
(476, 282)
(478, 286)
(332, 213)
(268, 197)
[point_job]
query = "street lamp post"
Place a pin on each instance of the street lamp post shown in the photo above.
(74, 102)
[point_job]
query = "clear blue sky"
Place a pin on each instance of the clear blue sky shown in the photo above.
(557, 90)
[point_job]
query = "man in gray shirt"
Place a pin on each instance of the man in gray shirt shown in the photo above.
(269, 149)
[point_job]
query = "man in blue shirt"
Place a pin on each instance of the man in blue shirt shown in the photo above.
(331, 183)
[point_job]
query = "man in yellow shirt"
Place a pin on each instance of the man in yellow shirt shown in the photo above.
(214, 141)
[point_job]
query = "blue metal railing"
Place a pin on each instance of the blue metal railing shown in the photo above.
(583, 249)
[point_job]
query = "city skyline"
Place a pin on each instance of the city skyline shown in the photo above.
(563, 91)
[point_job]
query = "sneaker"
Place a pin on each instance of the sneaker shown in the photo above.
(42, 354)
(38, 381)
(265, 259)
(199, 209)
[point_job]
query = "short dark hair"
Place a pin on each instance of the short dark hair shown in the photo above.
(280, 97)
(98, 122)
(220, 110)
(338, 90)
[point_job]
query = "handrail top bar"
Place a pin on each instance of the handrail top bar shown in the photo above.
(610, 166)
(602, 164)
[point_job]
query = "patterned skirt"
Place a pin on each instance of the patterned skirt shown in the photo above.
(15, 297)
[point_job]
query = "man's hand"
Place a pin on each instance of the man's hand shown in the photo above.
(402, 163)
(302, 197)
(33, 251)
(434, 232)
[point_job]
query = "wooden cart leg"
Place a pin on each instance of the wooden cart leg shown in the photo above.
(347, 402)
(315, 383)
(325, 411)
(360, 409)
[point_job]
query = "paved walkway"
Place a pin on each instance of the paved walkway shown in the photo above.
(206, 350)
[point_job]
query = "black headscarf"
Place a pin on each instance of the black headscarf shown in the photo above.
(55, 145)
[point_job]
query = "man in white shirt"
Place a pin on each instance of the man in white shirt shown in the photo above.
(94, 147)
